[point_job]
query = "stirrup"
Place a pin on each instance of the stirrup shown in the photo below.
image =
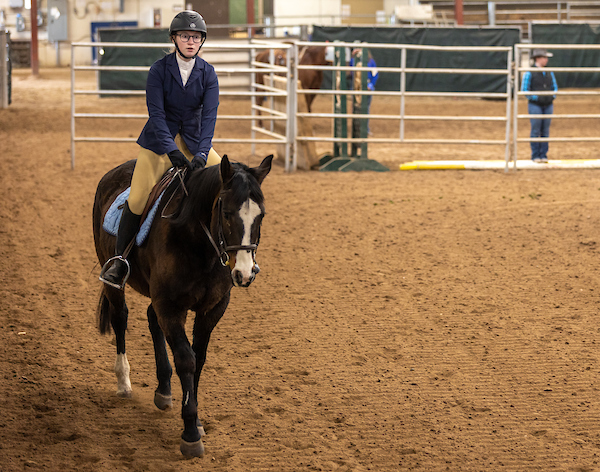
(107, 265)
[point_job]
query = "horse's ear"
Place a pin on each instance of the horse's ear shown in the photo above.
(226, 170)
(263, 169)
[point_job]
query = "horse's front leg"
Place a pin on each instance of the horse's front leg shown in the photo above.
(164, 371)
(203, 327)
(185, 364)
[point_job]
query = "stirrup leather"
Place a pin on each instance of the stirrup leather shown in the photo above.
(108, 265)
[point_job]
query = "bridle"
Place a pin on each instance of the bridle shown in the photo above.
(222, 248)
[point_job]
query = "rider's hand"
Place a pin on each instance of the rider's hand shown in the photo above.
(198, 162)
(178, 159)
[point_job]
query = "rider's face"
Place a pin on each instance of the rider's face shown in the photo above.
(541, 61)
(189, 48)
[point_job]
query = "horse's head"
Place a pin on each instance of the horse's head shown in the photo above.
(279, 57)
(238, 216)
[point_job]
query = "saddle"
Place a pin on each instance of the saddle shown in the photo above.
(159, 189)
(112, 217)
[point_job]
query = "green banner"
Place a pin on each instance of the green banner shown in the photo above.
(571, 34)
(431, 59)
(129, 80)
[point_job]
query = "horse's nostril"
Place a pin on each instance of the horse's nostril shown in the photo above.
(240, 281)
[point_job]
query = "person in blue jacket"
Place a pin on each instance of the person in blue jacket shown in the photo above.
(541, 81)
(354, 83)
(372, 75)
(182, 96)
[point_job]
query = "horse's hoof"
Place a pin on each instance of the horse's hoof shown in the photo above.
(193, 449)
(163, 402)
(125, 393)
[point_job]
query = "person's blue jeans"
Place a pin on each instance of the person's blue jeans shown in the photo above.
(540, 128)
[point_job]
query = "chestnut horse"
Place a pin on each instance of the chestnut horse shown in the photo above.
(310, 79)
(191, 259)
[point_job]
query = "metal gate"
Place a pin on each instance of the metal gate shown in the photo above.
(402, 117)
(252, 67)
(519, 68)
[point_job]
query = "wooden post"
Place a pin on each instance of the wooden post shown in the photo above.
(458, 12)
(35, 63)
(250, 15)
(3, 70)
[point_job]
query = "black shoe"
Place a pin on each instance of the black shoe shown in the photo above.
(115, 272)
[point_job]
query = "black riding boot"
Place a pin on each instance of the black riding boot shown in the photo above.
(128, 228)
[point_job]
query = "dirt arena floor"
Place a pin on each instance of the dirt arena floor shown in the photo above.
(425, 320)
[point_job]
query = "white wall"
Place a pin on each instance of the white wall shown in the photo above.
(88, 11)
(307, 12)
(390, 5)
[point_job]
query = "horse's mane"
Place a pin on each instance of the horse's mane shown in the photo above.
(204, 186)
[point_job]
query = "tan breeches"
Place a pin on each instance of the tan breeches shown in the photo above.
(149, 169)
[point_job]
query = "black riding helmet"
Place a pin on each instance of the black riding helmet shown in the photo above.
(188, 20)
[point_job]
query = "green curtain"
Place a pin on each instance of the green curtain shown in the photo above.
(571, 34)
(433, 59)
(130, 80)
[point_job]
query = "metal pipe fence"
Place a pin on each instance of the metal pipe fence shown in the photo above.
(254, 67)
(402, 117)
(291, 136)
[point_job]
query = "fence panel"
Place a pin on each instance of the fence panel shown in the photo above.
(291, 136)
(520, 52)
(402, 117)
(252, 69)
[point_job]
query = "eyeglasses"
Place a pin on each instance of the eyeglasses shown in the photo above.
(186, 37)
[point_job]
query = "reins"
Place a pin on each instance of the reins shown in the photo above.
(166, 181)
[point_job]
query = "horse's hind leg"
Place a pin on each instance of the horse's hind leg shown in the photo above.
(162, 395)
(118, 313)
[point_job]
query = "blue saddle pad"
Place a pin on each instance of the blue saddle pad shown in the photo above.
(113, 217)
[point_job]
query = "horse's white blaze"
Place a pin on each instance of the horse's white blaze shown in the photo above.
(244, 262)
(122, 373)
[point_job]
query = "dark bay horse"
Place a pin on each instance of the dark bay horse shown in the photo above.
(191, 259)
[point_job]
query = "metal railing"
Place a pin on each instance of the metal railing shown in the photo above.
(265, 91)
(524, 10)
(402, 117)
(519, 49)
(291, 136)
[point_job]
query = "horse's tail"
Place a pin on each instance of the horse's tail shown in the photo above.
(103, 312)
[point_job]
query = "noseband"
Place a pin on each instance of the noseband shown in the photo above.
(222, 248)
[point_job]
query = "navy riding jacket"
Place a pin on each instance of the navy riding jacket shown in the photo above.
(190, 111)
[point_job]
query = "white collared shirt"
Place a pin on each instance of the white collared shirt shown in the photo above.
(185, 68)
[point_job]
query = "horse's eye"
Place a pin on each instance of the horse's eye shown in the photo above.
(228, 215)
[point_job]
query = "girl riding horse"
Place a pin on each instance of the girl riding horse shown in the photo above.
(182, 95)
